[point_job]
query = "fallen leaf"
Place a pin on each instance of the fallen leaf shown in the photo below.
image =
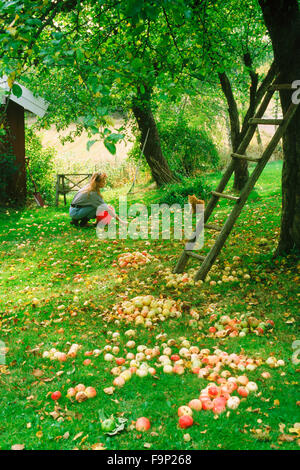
(286, 438)
(98, 446)
(54, 414)
(109, 390)
(37, 373)
(18, 447)
(281, 427)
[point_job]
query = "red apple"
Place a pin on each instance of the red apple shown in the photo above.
(88, 353)
(207, 404)
(220, 402)
(175, 357)
(242, 391)
(142, 424)
(185, 421)
(56, 395)
(213, 391)
(120, 360)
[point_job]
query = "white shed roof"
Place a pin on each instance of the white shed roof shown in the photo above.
(27, 100)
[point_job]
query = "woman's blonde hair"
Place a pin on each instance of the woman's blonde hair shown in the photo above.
(95, 183)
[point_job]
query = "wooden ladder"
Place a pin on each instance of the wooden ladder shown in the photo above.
(240, 201)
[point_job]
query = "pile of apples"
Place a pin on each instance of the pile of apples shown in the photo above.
(229, 273)
(146, 310)
(217, 398)
(180, 280)
(81, 393)
(133, 260)
(54, 354)
(238, 325)
(142, 361)
(218, 275)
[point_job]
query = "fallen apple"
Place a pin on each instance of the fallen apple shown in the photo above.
(242, 391)
(185, 410)
(185, 421)
(90, 392)
(81, 396)
(142, 424)
(108, 425)
(195, 404)
(56, 395)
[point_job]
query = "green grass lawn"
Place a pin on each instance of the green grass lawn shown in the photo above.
(43, 306)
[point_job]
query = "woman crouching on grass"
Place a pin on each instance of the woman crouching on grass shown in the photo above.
(85, 202)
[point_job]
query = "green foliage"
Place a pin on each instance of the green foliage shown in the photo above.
(118, 176)
(178, 193)
(187, 149)
(8, 170)
(41, 162)
(134, 153)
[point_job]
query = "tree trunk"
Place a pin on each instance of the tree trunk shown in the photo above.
(256, 94)
(13, 144)
(282, 19)
(159, 167)
(241, 173)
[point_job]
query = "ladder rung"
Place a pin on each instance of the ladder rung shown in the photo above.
(245, 157)
(213, 227)
(226, 196)
(265, 121)
(282, 86)
(194, 255)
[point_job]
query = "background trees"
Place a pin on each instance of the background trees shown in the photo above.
(88, 58)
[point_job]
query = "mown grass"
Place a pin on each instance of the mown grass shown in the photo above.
(41, 255)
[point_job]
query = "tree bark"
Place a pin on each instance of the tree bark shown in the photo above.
(237, 132)
(159, 167)
(282, 18)
(241, 173)
(13, 143)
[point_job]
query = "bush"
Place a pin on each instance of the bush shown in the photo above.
(178, 193)
(187, 149)
(41, 162)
